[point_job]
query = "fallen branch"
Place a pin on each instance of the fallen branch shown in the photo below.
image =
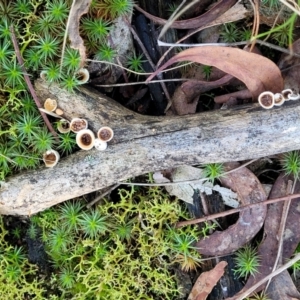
(144, 143)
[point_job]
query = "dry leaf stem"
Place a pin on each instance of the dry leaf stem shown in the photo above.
(286, 207)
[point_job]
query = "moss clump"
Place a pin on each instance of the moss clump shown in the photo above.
(18, 278)
(37, 25)
(120, 250)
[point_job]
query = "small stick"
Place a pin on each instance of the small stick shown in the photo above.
(123, 72)
(186, 181)
(235, 210)
(101, 196)
(28, 82)
(255, 29)
(289, 190)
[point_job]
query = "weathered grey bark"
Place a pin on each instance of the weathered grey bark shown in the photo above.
(143, 144)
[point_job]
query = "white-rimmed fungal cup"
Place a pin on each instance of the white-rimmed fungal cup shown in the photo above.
(285, 93)
(43, 75)
(59, 112)
(63, 126)
(51, 158)
(85, 139)
(50, 104)
(78, 124)
(266, 100)
(82, 76)
(105, 134)
(100, 145)
(293, 96)
(278, 99)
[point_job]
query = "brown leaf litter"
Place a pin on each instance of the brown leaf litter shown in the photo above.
(209, 16)
(250, 221)
(206, 281)
(257, 72)
(267, 249)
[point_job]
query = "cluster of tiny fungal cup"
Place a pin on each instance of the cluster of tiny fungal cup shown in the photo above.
(85, 138)
(268, 99)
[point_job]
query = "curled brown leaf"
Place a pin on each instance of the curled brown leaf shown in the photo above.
(250, 221)
(216, 11)
(257, 72)
(206, 281)
(267, 250)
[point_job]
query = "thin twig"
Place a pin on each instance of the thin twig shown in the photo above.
(186, 181)
(144, 82)
(255, 29)
(234, 210)
(211, 24)
(28, 82)
(122, 70)
(295, 8)
(274, 24)
(136, 73)
(98, 198)
(175, 16)
(278, 48)
(286, 207)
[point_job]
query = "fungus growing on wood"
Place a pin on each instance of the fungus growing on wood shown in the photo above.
(50, 104)
(78, 124)
(50, 158)
(266, 100)
(85, 139)
(105, 134)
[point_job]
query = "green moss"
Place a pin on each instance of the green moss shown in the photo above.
(18, 278)
(247, 262)
(126, 247)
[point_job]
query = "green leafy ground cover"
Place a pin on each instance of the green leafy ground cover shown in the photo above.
(126, 249)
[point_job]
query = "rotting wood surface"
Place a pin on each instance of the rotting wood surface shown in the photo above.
(143, 143)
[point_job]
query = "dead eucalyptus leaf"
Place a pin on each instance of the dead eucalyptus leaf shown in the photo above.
(216, 11)
(183, 104)
(282, 287)
(257, 72)
(267, 250)
(206, 281)
(185, 97)
(79, 8)
(193, 88)
(250, 221)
